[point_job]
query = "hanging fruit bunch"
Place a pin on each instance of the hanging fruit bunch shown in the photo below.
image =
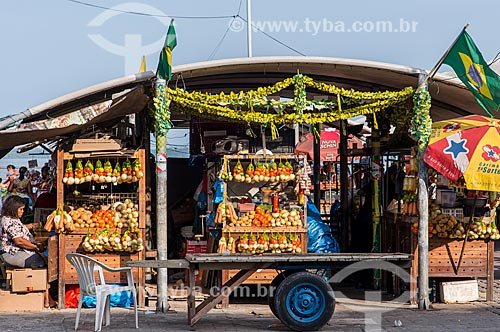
(285, 172)
(132, 241)
(231, 244)
(89, 242)
(100, 241)
(79, 173)
(222, 245)
(60, 220)
(68, 173)
(88, 171)
(249, 173)
(126, 171)
(295, 242)
(116, 174)
(137, 170)
(259, 173)
(108, 171)
(99, 175)
(238, 172)
(243, 243)
(115, 240)
(273, 172)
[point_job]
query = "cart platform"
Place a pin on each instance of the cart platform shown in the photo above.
(247, 264)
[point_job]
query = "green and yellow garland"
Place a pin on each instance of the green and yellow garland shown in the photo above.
(254, 106)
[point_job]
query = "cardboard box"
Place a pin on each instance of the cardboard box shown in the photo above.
(29, 280)
(459, 291)
(21, 302)
(97, 144)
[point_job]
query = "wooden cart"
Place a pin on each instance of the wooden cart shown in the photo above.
(303, 301)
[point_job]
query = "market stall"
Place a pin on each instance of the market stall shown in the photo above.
(101, 210)
(462, 205)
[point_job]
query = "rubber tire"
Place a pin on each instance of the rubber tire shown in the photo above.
(318, 293)
(273, 288)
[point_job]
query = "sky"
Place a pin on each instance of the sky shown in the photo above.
(53, 47)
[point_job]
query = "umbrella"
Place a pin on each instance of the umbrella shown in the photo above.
(329, 144)
(468, 147)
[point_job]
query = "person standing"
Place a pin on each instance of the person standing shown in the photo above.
(21, 185)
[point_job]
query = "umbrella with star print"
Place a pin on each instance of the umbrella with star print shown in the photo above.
(468, 147)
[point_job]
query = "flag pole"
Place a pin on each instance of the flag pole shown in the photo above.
(433, 71)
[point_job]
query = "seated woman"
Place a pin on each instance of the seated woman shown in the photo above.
(17, 245)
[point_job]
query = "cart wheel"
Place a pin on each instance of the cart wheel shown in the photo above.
(304, 302)
(273, 288)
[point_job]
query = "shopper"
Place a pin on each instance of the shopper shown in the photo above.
(21, 185)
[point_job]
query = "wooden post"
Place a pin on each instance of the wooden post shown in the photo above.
(423, 229)
(161, 208)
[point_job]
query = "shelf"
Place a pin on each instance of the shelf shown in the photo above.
(248, 229)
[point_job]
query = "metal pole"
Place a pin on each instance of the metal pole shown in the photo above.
(316, 168)
(423, 228)
(249, 28)
(161, 210)
(344, 188)
(376, 174)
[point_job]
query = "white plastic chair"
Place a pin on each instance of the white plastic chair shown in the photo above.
(85, 267)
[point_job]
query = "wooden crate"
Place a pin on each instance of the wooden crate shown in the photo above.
(444, 255)
(261, 277)
(264, 276)
(477, 260)
(71, 243)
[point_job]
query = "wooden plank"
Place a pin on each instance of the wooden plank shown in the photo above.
(295, 258)
(142, 190)
(490, 271)
(212, 301)
(53, 258)
(170, 263)
(191, 304)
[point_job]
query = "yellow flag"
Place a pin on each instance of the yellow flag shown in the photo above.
(142, 69)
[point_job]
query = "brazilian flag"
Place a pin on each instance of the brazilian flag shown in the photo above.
(469, 65)
(165, 64)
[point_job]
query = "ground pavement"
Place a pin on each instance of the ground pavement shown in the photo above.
(350, 316)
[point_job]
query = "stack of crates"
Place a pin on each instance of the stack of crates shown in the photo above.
(24, 289)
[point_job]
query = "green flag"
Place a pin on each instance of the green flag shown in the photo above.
(165, 64)
(468, 63)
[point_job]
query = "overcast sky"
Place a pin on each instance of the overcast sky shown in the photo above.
(53, 47)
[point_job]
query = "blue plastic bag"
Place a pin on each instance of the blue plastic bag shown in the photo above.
(119, 299)
(219, 191)
(319, 235)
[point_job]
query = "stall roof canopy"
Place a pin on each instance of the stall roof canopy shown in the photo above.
(127, 95)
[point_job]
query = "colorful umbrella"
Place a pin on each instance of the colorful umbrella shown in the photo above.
(468, 147)
(329, 144)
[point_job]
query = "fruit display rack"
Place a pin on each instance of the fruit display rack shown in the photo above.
(96, 193)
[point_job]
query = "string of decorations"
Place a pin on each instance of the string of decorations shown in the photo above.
(421, 122)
